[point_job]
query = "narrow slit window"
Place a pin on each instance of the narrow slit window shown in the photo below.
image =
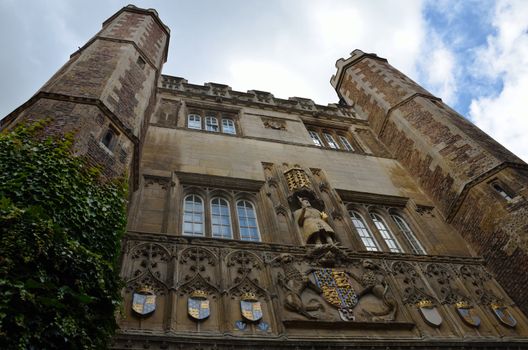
(220, 218)
(387, 236)
(502, 191)
(364, 233)
(193, 216)
(247, 220)
(416, 247)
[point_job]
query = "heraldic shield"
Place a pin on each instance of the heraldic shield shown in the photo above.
(198, 305)
(465, 311)
(250, 307)
(429, 313)
(504, 315)
(337, 288)
(144, 301)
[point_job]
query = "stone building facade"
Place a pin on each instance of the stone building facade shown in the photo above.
(386, 220)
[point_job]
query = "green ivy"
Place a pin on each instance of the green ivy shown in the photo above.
(60, 231)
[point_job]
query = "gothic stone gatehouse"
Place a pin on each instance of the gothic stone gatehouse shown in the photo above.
(383, 221)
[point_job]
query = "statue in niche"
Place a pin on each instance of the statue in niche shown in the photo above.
(313, 224)
(377, 286)
(294, 283)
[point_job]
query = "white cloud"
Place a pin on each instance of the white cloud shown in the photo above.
(437, 65)
(301, 54)
(505, 57)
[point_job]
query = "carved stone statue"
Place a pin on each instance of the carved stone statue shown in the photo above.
(294, 284)
(313, 224)
(372, 284)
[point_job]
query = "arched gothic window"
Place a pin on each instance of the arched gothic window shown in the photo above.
(193, 216)
(387, 236)
(364, 233)
(416, 247)
(220, 218)
(247, 221)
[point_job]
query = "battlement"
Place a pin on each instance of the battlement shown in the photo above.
(262, 99)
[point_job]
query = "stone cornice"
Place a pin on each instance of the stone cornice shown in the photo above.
(126, 339)
(221, 93)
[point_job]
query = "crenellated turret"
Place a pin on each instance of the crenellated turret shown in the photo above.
(477, 184)
(106, 92)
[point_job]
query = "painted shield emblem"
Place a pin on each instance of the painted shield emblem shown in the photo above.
(144, 302)
(198, 305)
(429, 313)
(466, 313)
(503, 314)
(337, 289)
(250, 307)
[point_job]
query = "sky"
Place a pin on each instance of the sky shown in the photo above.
(472, 54)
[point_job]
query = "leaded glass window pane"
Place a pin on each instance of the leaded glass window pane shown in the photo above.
(346, 144)
(211, 124)
(330, 141)
(247, 220)
(364, 233)
(416, 247)
(194, 121)
(220, 218)
(228, 126)
(315, 138)
(385, 233)
(193, 216)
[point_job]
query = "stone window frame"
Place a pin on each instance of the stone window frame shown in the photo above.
(232, 197)
(501, 190)
(112, 143)
(207, 114)
(385, 213)
(336, 135)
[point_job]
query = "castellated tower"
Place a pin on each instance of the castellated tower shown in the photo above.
(106, 92)
(477, 184)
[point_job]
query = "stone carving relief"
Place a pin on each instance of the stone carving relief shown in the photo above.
(442, 278)
(245, 274)
(275, 124)
(313, 224)
(198, 266)
(414, 289)
(294, 283)
(149, 265)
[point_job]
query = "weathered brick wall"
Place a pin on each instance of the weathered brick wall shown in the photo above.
(89, 125)
(497, 228)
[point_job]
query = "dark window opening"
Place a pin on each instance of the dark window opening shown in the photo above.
(502, 191)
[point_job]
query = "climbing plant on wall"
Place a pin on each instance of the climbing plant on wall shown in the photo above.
(60, 230)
